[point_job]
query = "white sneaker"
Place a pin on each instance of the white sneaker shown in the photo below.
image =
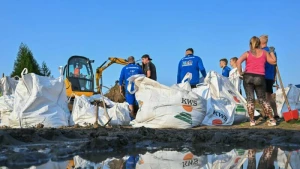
(252, 123)
(272, 122)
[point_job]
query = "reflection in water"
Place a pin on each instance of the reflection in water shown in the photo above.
(268, 158)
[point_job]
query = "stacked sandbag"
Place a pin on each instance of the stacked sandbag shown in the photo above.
(161, 106)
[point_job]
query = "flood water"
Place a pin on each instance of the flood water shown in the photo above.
(270, 157)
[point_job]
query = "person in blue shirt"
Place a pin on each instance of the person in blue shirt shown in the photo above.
(225, 68)
(130, 69)
(192, 64)
(270, 74)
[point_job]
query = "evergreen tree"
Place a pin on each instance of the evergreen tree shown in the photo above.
(45, 71)
(25, 59)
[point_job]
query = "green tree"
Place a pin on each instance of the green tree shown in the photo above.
(25, 59)
(45, 71)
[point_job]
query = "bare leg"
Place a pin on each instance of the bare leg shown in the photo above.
(131, 111)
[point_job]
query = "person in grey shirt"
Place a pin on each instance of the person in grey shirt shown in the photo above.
(148, 67)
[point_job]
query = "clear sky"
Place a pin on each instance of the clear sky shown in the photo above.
(55, 30)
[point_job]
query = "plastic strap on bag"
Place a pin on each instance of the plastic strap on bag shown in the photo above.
(24, 72)
(131, 79)
(188, 76)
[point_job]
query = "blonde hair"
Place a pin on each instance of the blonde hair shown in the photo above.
(254, 43)
(264, 38)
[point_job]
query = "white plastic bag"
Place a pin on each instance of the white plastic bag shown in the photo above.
(234, 78)
(6, 107)
(165, 107)
(293, 95)
(83, 163)
(228, 160)
(8, 85)
(119, 114)
(108, 102)
(39, 99)
(185, 83)
(171, 159)
(225, 105)
(84, 113)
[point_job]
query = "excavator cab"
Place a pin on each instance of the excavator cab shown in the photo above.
(79, 76)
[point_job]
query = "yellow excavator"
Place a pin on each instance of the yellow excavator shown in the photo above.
(79, 76)
(105, 65)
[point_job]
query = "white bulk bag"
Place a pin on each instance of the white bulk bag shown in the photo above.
(84, 113)
(293, 95)
(228, 160)
(39, 99)
(161, 106)
(8, 85)
(83, 163)
(171, 159)
(107, 101)
(225, 105)
(119, 114)
(6, 107)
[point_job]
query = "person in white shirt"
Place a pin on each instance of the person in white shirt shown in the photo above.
(234, 75)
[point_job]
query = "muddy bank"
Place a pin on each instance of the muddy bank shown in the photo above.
(62, 144)
(118, 138)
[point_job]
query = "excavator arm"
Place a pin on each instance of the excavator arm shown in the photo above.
(106, 64)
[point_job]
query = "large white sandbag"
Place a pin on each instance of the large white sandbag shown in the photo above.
(8, 85)
(161, 106)
(107, 101)
(225, 105)
(228, 160)
(119, 114)
(282, 159)
(6, 107)
(52, 165)
(39, 99)
(293, 95)
(171, 159)
(106, 164)
(84, 113)
(234, 78)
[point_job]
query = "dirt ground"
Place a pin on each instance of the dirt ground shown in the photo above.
(64, 143)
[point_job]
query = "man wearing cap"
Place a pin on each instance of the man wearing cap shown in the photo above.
(192, 64)
(130, 69)
(148, 67)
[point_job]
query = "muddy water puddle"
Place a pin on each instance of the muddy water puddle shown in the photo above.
(62, 157)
